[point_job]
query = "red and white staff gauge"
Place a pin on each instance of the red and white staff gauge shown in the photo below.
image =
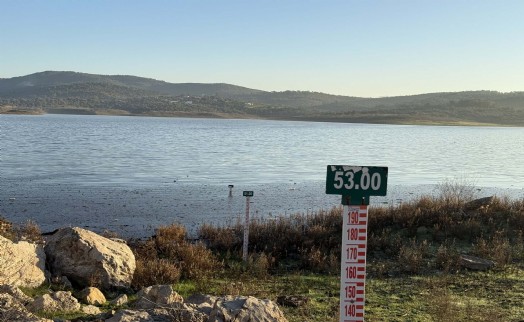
(356, 184)
(353, 263)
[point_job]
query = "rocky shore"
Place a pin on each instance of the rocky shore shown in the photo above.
(71, 260)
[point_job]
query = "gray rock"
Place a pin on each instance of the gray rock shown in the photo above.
(61, 282)
(13, 311)
(475, 263)
(130, 316)
(21, 264)
(16, 293)
(120, 300)
(202, 308)
(240, 308)
(178, 312)
(57, 301)
(156, 296)
(85, 257)
(90, 309)
(481, 203)
(203, 303)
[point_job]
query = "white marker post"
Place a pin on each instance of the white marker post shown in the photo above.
(355, 184)
(248, 195)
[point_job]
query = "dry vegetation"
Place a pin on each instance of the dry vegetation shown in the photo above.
(168, 256)
(413, 268)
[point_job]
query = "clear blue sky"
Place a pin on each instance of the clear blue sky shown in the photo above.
(352, 47)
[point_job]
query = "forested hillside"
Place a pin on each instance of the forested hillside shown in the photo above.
(71, 92)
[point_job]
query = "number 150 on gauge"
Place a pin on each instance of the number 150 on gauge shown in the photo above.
(347, 180)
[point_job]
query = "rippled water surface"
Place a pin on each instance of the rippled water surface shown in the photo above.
(193, 160)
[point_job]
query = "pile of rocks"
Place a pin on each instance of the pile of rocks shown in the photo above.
(75, 258)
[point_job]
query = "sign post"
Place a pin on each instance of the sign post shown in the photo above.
(248, 195)
(356, 184)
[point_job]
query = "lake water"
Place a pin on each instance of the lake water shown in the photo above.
(131, 174)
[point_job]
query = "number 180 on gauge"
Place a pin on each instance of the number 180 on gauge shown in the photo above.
(348, 180)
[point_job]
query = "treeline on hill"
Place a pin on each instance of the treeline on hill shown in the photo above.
(97, 94)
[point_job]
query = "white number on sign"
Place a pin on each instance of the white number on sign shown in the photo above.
(350, 183)
(339, 180)
(375, 181)
(347, 180)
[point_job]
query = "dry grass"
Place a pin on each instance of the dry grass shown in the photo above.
(30, 232)
(417, 237)
(6, 229)
(312, 241)
(168, 257)
(413, 256)
(156, 271)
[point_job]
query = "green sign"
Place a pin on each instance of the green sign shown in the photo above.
(356, 181)
(247, 193)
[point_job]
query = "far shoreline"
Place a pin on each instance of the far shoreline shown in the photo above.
(370, 120)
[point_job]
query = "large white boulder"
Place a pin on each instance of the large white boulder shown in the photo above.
(87, 258)
(21, 264)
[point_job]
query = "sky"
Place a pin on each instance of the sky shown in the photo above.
(360, 48)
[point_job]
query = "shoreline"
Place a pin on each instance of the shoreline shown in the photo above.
(320, 119)
(136, 211)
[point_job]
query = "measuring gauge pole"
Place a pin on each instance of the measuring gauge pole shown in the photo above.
(248, 195)
(356, 184)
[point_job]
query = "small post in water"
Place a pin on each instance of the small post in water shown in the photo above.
(248, 195)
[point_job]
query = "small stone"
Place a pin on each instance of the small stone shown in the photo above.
(91, 309)
(475, 263)
(481, 203)
(92, 296)
(120, 300)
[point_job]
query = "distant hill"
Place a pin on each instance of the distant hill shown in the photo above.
(72, 92)
(53, 78)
